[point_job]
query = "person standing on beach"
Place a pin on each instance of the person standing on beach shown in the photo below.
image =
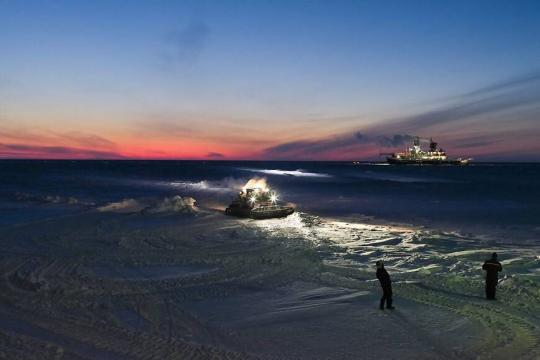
(386, 285)
(492, 268)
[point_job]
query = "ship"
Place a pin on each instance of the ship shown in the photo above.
(415, 155)
(257, 201)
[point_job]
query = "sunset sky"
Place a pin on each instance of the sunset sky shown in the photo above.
(287, 80)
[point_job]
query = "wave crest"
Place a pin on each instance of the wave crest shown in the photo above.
(173, 204)
(297, 172)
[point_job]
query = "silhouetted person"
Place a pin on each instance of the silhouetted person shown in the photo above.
(492, 268)
(386, 285)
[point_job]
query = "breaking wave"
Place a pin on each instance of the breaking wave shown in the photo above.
(50, 199)
(225, 185)
(124, 206)
(173, 204)
(298, 172)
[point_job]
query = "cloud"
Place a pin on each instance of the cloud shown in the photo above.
(186, 45)
(302, 148)
(72, 138)
(89, 140)
(316, 146)
(54, 152)
(506, 84)
(161, 126)
(5, 82)
(512, 94)
(199, 127)
(393, 140)
(476, 141)
(215, 155)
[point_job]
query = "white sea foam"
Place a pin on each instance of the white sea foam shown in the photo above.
(225, 185)
(409, 251)
(297, 172)
(173, 204)
(170, 204)
(202, 185)
(123, 206)
(49, 199)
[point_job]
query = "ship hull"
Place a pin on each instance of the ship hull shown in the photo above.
(279, 212)
(459, 162)
(260, 213)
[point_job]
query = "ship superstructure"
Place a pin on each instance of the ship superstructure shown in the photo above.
(415, 155)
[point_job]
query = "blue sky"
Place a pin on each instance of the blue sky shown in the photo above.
(178, 79)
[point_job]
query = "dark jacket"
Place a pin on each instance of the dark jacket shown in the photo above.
(383, 277)
(492, 268)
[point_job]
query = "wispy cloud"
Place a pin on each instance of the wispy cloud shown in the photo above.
(512, 94)
(5, 82)
(70, 138)
(309, 148)
(476, 141)
(215, 155)
(23, 143)
(54, 152)
(516, 81)
(186, 44)
(518, 92)
(210, 129)
(89, 140)
(162, 126)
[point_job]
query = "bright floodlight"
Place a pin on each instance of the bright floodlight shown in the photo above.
(273, 198)
(253, 199)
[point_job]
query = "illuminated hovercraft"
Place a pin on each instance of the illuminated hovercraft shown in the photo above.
(257, 201)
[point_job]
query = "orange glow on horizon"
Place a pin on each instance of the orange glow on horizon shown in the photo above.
(46, 144)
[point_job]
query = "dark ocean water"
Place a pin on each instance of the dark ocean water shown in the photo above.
(496, 198)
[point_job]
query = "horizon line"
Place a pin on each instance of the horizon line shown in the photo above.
(254, 160)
